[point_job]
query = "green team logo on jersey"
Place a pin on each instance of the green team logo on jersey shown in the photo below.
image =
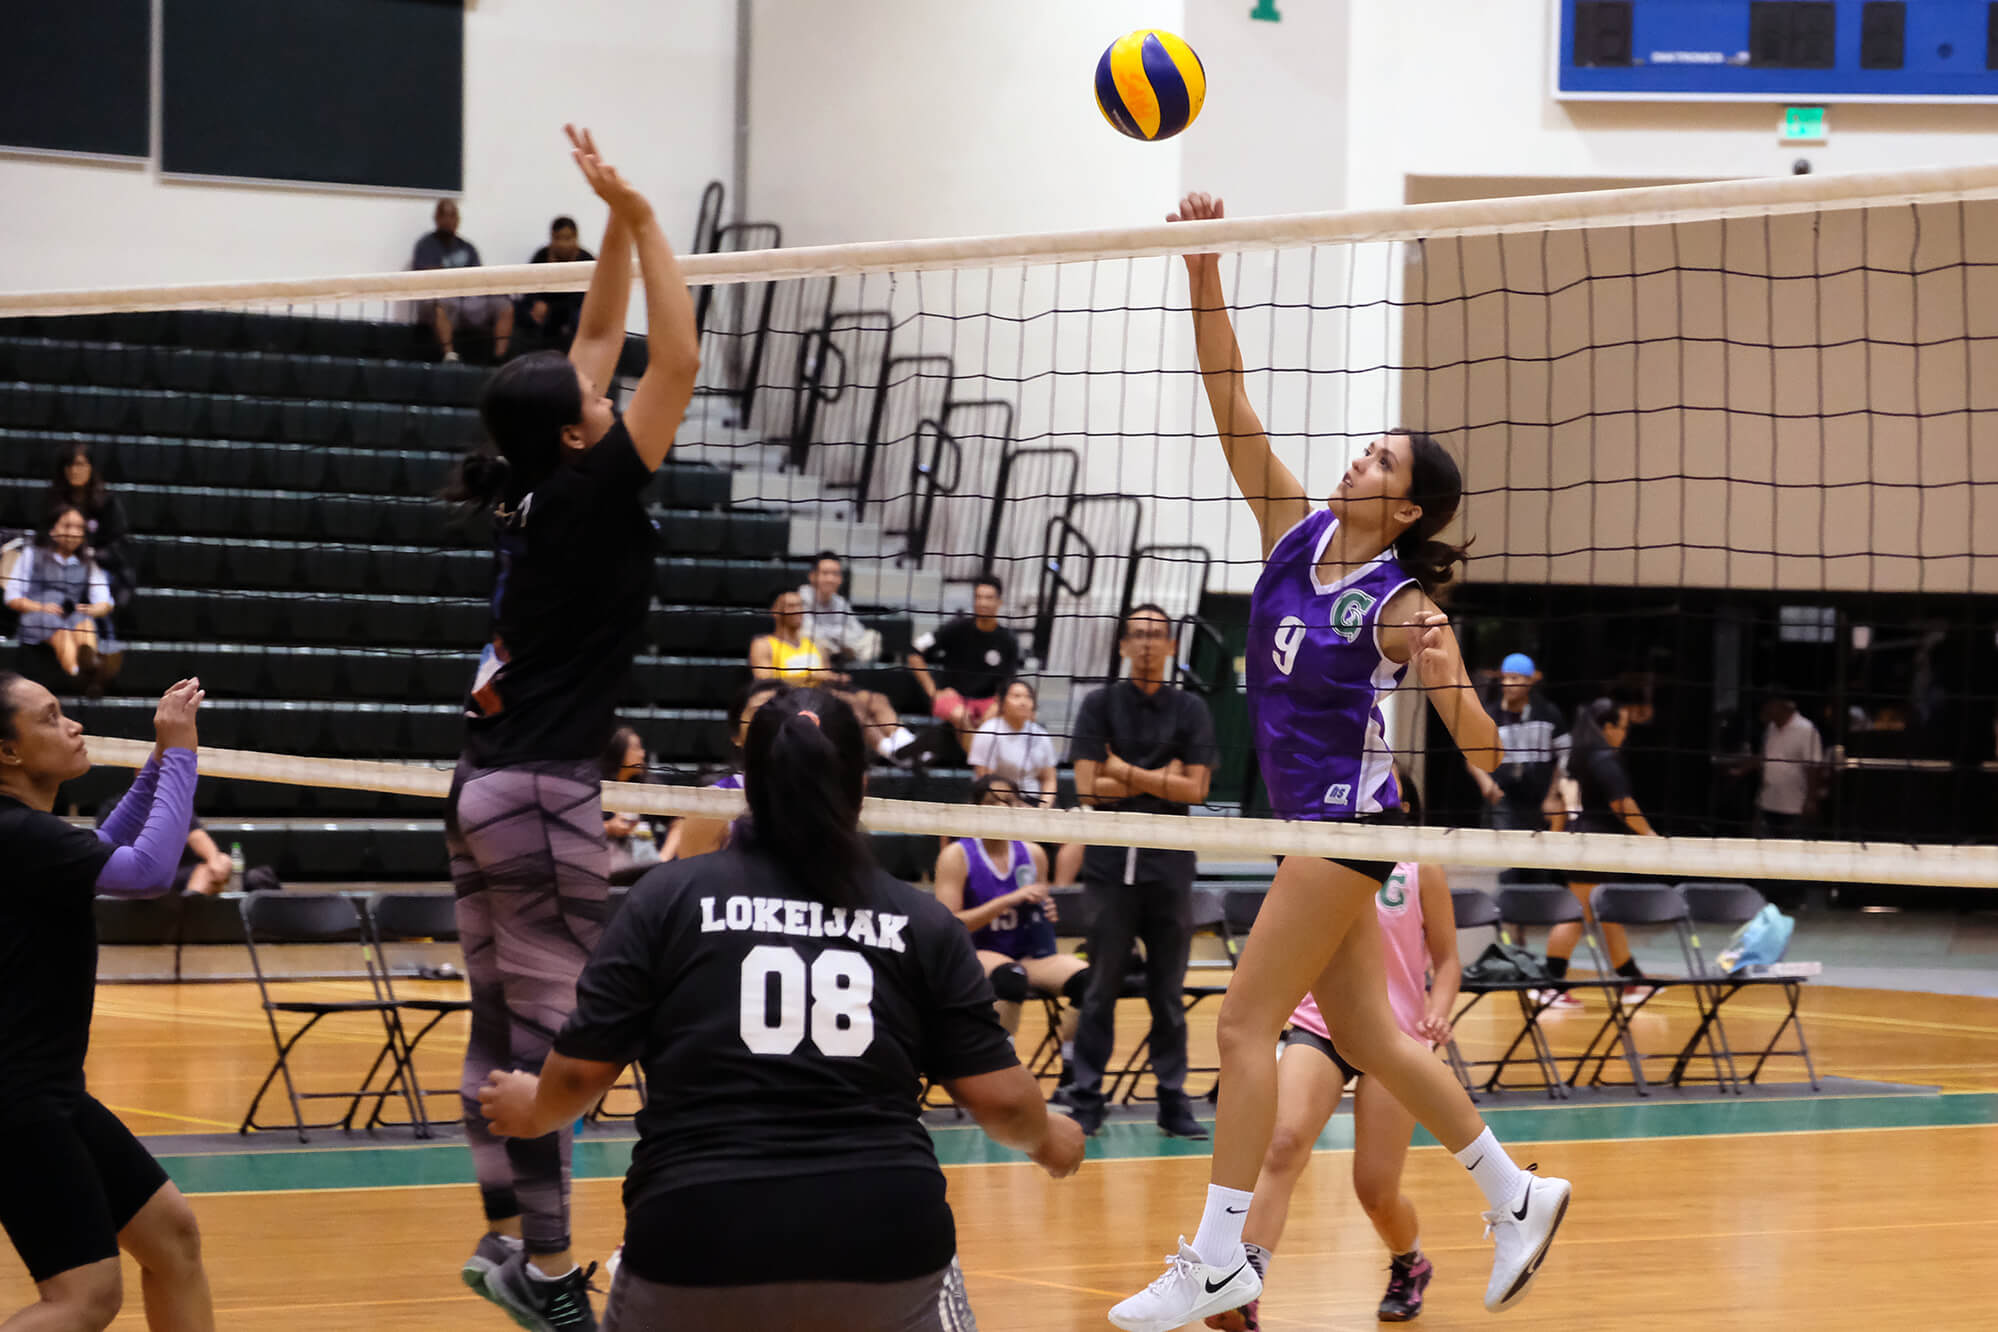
(1394, 892)
(1349, 613)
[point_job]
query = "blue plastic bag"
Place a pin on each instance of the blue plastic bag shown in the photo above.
(1760, 942)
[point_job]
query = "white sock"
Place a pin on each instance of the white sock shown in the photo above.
(1219, 1239)
(535, 1271)
(1068, 1052)
(1497, 1176)
(511, 1241)
(1259, 1258)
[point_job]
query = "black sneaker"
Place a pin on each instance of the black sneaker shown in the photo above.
(1176, 1117)
(560, 1305)
(1086, 1111)
(1406, 1283)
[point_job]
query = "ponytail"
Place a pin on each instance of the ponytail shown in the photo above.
(480, 479)
(1436, 486)
(805, 773)
(1586, 736)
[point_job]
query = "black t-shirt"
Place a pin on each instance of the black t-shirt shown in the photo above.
(973, 661)
(48, 950)
(1147, 731)
(1600, 774)
(572, 584)
(779, 1036)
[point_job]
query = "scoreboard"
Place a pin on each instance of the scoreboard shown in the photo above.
(1811, 51)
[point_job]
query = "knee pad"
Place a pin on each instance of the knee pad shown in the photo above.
(1009, 982)
(1075, 987)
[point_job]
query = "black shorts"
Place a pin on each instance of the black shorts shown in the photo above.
(881, 1226)
(76, 1178)
(1377, 870)
(1313, 1041)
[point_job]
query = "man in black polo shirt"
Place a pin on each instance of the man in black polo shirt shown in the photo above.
(972, 657)
(1142, 746)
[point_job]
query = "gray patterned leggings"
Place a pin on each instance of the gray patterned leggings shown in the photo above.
(528, 861)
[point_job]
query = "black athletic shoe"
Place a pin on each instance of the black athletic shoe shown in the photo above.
(1176, 1117)
(1087, 1112)
(560, 1305)
(1403, 1300)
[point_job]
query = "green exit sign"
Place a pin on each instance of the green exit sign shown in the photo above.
(1804, 124)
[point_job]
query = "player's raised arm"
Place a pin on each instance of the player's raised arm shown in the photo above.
(1274, 493)
(672, 342)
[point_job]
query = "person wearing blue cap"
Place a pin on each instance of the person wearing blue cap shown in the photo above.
(1520, 793)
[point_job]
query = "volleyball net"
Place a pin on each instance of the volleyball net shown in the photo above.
(1723, 444)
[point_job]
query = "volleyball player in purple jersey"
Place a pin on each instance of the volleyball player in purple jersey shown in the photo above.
(1342, 611)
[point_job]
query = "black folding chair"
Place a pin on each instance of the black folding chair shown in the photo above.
(1733, 904)
(1654, 906)
(1540, 904)
(407, 918)
(1473, 910)
(319, 918)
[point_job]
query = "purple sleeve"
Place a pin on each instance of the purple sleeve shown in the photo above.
(123, 823)
(145, 868)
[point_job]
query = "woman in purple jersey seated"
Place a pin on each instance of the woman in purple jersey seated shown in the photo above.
(999, 889)
(1342, 611)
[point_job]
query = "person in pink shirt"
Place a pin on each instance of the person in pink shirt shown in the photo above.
(1418, 939)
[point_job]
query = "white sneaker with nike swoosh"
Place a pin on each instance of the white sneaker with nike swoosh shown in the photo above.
(1521, 1235)
(1188, 1292)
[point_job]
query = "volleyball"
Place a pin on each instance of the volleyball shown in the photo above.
(1150, 84)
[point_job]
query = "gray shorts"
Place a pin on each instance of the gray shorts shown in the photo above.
(933, 1303)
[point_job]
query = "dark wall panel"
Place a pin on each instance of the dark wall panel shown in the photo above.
(76, 76)
(348, 92)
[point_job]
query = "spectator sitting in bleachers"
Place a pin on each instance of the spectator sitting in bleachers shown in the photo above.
(634, 838)
(786, 654)
(445, 248)
(1000, 891)
(64, 600)
(973, 655)
(547, 319)
(205, 868)
(697, 836)
(1013, 746)
(829, 618)
(77, 484)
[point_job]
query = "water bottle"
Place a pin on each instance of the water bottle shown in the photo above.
(643, 850)
(238, 863)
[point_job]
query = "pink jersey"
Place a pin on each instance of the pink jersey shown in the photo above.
(1405, 955)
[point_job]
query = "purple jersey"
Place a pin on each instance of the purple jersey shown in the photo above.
(1016, 932)
(1317, 676)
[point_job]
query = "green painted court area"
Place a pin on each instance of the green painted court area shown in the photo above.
(606, 1154)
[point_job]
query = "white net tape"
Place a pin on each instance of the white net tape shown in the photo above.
(1215, 838)
(1601, 208)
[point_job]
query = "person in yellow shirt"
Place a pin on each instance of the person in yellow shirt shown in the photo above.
(786, 654)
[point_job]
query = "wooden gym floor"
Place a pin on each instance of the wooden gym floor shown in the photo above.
(1862, 1207)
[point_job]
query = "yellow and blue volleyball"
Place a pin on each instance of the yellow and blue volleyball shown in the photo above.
(1150, 85)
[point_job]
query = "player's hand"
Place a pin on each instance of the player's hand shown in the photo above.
(1197, 207)
(220, 866)
(612, 188)
(1433, 665)
(173, 720)
(1049, 909)
(1060, 1152)
(620, 826)
(1034, 894)
(1433, 1028)
(507, 1102)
